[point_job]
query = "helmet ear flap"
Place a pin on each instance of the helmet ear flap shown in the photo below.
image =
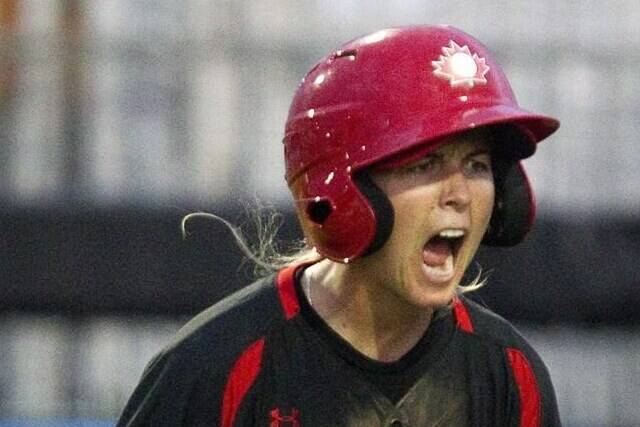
(514, 206)
(341, 224)
(382, 209)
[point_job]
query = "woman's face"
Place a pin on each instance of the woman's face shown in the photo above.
(442, 205)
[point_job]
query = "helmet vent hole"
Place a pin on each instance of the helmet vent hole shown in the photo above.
(347, 53)
(319, 211)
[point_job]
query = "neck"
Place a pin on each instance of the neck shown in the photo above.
(374, 320)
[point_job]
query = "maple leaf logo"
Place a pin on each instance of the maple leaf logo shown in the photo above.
(459, 66)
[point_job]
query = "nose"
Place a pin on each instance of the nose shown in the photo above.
(455, 191)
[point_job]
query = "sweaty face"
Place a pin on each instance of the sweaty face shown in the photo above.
(442, 205)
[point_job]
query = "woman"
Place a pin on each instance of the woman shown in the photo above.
(402, 151)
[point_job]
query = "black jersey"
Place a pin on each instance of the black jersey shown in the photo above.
(255, 359)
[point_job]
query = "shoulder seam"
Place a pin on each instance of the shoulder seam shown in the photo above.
(242, 376)
(528, 390)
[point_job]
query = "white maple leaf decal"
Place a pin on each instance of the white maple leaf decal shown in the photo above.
(458, 65)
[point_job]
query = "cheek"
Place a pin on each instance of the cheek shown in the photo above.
(484, 199)
(412, 213)
(407, 227)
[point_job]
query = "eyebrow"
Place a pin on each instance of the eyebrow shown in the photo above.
(479, 152)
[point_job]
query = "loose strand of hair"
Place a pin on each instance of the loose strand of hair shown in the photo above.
(477, 282)
(264, 254)
(237, 233)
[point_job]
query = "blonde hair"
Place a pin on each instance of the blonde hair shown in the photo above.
(266, 253)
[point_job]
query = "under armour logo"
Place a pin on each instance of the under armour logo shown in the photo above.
(281, 420)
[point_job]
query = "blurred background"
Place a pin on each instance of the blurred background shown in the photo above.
(118, 117)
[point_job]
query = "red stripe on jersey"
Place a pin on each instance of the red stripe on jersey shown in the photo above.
(287, 291)
(241, 378)
(527, 387)
(463, 320)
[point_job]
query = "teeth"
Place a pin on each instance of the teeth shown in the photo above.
(451, 233)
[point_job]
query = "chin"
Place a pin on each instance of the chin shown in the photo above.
(434, 296)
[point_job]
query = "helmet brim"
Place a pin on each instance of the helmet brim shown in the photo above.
(537, 126)
(530, 127)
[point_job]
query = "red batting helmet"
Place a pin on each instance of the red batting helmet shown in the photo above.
(392, 93)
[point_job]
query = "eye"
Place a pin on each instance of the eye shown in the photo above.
(427, 164)
(479, 166)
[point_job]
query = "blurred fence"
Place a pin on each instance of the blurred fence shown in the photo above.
(152, 109)
(160, 102)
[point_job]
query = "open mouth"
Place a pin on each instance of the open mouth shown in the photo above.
(439, 254)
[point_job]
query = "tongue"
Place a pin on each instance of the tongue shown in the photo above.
(436, 252)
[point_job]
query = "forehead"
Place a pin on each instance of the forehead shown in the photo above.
(471, 141)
